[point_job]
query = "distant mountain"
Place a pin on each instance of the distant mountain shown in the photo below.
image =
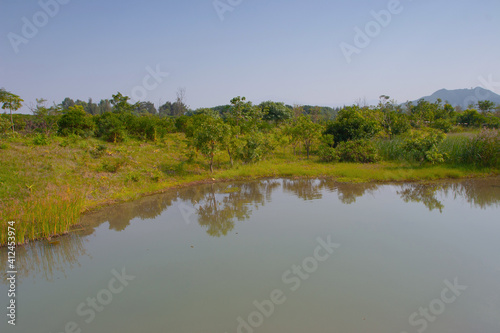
(463, 97)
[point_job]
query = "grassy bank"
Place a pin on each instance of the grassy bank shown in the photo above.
(44, 188)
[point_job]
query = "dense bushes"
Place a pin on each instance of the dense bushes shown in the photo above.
(4, 125)
(419, 147)
(357, 151)
(110, 127)
(115, 127)
(472, 118)
(76, 121)
(444, 125)
(352, 124)
(423, 146)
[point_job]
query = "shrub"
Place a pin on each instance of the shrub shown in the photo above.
(181, 123)
(357, 151)
(422, 146)
(443, 125)
(326, 152)
(253, 147)
(110, 127)
(395, 123)
(492, 121)
(4, 125)
(98, 151)
(352, 124)
(40, 140)
(76, 121)
(472, 118)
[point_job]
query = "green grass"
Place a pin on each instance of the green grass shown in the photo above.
(45, 188)
(455, 146)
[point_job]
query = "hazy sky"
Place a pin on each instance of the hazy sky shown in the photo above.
(291, 51)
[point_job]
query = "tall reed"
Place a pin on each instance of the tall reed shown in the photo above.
(42, 216)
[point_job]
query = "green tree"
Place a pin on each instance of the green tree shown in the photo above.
(424, 112)
(67, 102)
(104, 106)
(239, 112)
(110, 127)
(393, 121)
(422, 146)
(92, 107)
(121, 105)
(352, 124)
(207, 134)
(306, 131)
(10, 101)
(45, 119)
(471, 117)
(485, 106)
(166, 109)
(357, 151)
(275, 112)
(246, 140)
(145, 108)
(76, 121)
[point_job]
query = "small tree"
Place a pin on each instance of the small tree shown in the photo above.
(240, 112)
(275, 112)
(76, 121)
(121, 105)
(11, 102)
(306, 131)
(423, 146)
(485, 106)
(179, 107)
(110, 127)
(352, 124)
(392, 120)
(207, 134)
(45, 119)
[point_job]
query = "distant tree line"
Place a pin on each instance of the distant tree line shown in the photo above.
(248, 132)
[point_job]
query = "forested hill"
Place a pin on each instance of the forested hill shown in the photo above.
(463, 97)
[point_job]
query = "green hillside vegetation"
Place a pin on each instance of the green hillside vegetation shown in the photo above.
(76, 156)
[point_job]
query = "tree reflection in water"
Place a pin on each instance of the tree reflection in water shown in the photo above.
(425, 194)
(479, 193)
(222, 205)
(218, 206)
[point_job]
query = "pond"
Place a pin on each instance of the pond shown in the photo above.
(272, 255)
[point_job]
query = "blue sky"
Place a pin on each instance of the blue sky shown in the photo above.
(263, 49)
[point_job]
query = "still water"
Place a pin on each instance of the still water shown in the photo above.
(272, 256)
